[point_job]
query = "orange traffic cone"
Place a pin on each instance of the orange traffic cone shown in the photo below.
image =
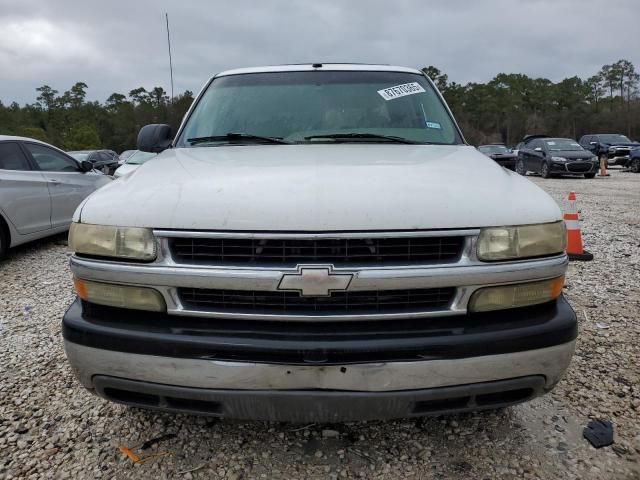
(575, 249)
(603, 166)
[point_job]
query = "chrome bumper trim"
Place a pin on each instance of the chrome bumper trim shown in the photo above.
(466, 275)
(550, 362)
(455, 275)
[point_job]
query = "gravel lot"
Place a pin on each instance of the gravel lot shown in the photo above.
(52, 428)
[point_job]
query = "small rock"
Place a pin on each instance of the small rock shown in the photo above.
(21, 429)
(327, 433)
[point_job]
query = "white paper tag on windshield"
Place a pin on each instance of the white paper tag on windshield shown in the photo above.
(401, 91)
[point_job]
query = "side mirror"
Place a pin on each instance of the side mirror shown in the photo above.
(86, 166)
(154, 138)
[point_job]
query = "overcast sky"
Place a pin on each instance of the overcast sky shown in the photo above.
(115, 46)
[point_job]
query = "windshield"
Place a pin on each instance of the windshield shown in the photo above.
(614, 139)
(139, 157)
(564, 144)
(325, 105)
(493, 149)
(78, 156)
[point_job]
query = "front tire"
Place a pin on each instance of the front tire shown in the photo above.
(589, 175)
(635, 165)
(520, 170)
(4, 241)
(544, 170)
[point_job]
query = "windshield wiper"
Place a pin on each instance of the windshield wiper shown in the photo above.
(236, 136)
(373, 136)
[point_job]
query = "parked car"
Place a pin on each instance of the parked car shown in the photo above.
(551, 157)
(634, 160)
(133, 162)
(501, 154)
(517, 148)
(40, 187)
(104, 160)
(124, 155)
(310, 247)
(612, 147)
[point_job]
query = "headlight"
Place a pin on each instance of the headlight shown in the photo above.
(504, 243)
(514, 296)
(117, 242)
(122, 296)
(558, 159)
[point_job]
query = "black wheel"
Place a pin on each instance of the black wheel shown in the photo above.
(635, 165)
(520, 167)
(589, 175)
(4, 240)
(544, 170)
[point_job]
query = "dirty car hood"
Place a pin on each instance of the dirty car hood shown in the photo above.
(326, 187)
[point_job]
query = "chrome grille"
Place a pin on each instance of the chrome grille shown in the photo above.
(269, 302)
(336, 251)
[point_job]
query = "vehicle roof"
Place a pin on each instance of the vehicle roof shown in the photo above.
(492, 145)
(528, 138)
(309, 67)
(21, 139)
(89, 151)
(598, 134)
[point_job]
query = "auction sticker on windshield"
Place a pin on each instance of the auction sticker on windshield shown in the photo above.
(401, 90)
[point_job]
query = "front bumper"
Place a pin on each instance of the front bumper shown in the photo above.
(320, 373)
(575, 167)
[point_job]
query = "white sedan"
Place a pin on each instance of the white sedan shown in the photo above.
(133, 162)
(40, 188)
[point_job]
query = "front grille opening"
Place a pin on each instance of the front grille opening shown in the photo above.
(441, 404)
(267, 302)
(149, 400)
(192, 405)
(337, 251)
(508, 396)
(127, 396)
(579, 167)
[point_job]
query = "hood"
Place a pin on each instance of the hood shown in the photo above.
(573, 154)
(503, 155)
(621, 144)
(326, 187)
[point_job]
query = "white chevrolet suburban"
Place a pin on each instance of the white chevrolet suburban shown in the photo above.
(318, 243)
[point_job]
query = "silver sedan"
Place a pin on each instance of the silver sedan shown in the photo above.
(40, 188)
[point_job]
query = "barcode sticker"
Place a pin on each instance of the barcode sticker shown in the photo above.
(403, 90)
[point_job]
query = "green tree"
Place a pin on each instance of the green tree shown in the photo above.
(82, 137)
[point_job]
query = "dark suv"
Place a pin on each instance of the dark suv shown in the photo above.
(613, 147)
(555, 156)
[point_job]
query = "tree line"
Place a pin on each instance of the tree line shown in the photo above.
(512, 105)
(503, 110)
(71, 122)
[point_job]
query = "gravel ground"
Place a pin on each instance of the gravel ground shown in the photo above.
(52, 428)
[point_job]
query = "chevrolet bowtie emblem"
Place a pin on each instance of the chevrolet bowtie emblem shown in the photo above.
(315, 281)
